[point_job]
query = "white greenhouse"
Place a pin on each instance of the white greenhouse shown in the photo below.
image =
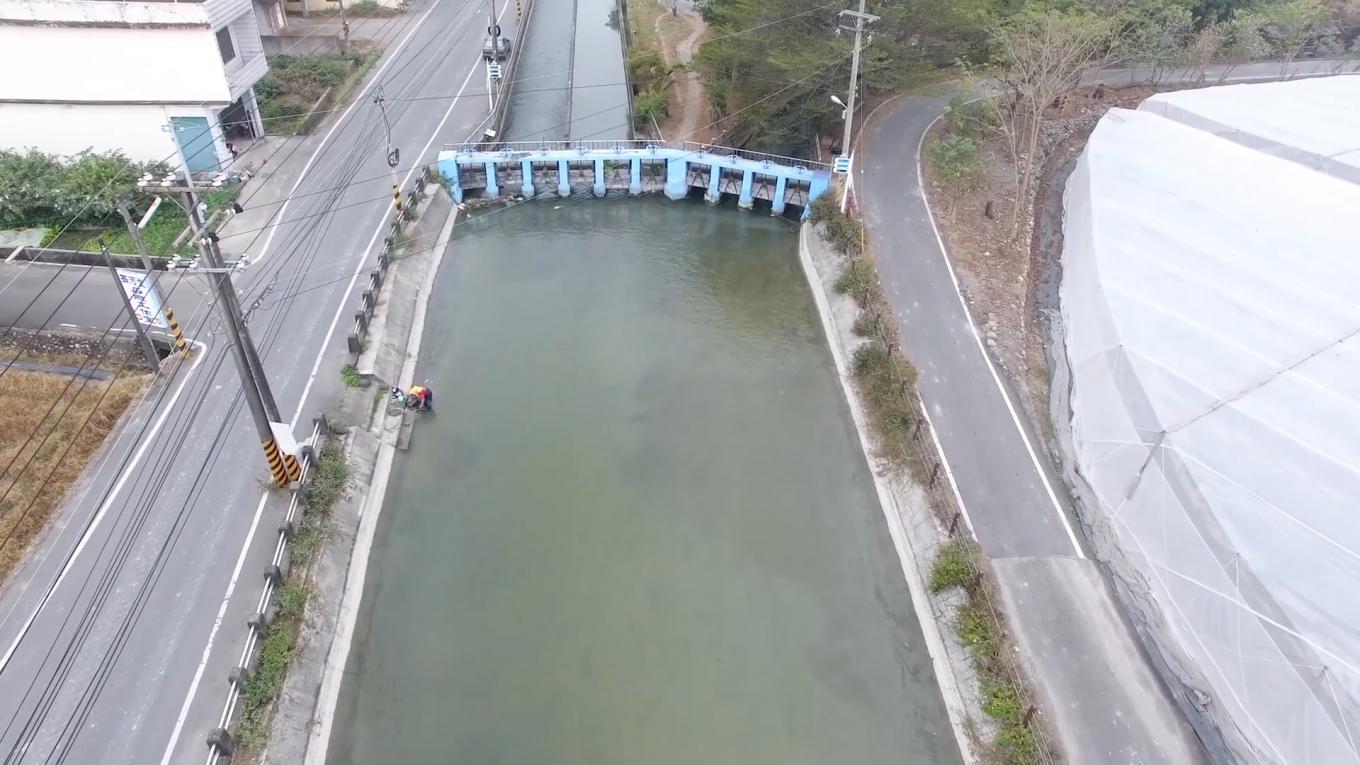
(1211, 321)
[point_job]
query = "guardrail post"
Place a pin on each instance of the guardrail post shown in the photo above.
(220, 740)
(355, 346)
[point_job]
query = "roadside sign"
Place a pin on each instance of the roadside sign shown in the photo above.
(495, 70)
(141, 292)
(841, 165)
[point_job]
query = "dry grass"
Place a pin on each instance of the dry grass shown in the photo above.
(45, 468)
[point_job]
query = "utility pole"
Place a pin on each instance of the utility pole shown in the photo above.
(283, 467)
(862, 19)
(135, 232)
(153, 359)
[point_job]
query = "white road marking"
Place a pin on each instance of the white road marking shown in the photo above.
(212, 636)
(269, 238)
(104, 508)
(977, 338)
(306, 391)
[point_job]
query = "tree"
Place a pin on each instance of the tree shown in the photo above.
(956, 161)
(1289, 26)
(1156, 34)
(28, 187)
(92, 184)
(1041, 56)
(1203, 49)
(1242, 41)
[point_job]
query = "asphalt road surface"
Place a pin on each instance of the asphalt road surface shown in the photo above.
(118, 632)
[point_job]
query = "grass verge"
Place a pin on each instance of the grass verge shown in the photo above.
(42, 469)
(296, 83)
(329, 477)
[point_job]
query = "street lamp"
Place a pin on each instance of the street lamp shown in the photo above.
(835, 99)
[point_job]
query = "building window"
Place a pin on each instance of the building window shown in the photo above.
(224, 44)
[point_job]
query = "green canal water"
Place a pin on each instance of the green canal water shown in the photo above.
(639, 528)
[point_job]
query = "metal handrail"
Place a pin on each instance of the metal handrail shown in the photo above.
(754, 156)
(531, 147)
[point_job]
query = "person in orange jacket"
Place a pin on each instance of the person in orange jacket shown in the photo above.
(423, 397)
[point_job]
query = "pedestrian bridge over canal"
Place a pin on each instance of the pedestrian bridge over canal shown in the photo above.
(637, 167)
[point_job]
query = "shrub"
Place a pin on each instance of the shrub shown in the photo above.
(858, 280)
(953, 566)
(824, 208)
(956, 161)
(29, 183)
(968, 118)
(349, 374)
(650, 105)
(843, 234)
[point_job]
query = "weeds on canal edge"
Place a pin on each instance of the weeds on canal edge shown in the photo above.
(886, 382)
(328, 479)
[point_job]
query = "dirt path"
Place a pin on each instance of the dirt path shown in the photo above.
(679, 34)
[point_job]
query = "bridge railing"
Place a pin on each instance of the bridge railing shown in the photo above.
(755, 156)
(691, 147)
(517, 147)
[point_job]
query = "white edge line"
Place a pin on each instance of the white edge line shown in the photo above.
(311, 380)
(104, 507)
(948, 472)
(951, 694)
(212, 636)
(977, 338)
(264, 249)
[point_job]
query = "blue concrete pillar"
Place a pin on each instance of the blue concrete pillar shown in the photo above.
(599, 178)
(563, 178)
(527, 169)
(493, 185)
(635, 176)
(448, 167)
(816, 187)
(781, 186)
(676, 181)
(714, 175)
(746, 201)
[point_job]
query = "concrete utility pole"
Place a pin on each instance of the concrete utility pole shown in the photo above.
(284, 468)
(153, 359)
(135, 232)
(862, 20)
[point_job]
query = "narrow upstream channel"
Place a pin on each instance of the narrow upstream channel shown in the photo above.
(639, 528)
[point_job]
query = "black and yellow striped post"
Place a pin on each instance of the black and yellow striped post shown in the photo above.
(396, 195)
(180, 342)
(275, 459)
(294, 468)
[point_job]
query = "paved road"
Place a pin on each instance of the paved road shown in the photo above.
(1106, 702)
(118, 632)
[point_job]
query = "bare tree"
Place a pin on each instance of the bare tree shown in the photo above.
(1290, 26)
(1042, 56)
(1242, 41)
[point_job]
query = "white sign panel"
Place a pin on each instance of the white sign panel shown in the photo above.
(141, 292)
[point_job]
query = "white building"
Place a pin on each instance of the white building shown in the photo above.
(107, 74)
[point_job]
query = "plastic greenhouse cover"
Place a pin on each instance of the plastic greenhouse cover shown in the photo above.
(1211, 309)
